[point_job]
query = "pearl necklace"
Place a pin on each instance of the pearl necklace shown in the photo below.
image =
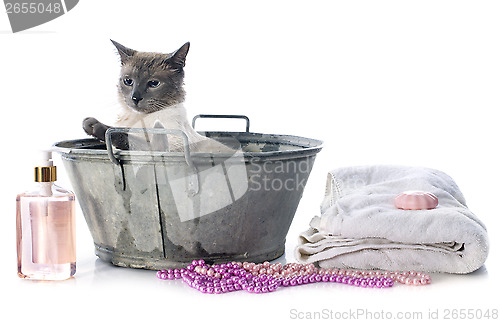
(294, 269)
(266, 277)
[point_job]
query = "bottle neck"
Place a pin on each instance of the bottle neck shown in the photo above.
(46, 188)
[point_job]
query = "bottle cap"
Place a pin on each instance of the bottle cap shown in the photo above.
(46, 172)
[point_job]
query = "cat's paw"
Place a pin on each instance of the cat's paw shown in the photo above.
(88, 125)
(94, 128)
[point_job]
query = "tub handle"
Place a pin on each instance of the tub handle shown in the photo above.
(193, 185)
(223, 116)
(154, 131)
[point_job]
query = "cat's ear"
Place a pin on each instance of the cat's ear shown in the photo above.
(125, 53)
(178, 58)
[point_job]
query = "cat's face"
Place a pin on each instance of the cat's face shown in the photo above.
(151, 82)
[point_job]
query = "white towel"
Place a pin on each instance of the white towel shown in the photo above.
(361, 228)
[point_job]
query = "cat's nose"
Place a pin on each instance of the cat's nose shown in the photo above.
(136, 99)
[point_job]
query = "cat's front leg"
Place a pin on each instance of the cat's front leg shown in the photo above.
(97, 129)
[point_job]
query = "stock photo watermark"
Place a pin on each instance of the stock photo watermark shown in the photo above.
(26, 14)
(215, 185)
(278, 175)
(453, 314)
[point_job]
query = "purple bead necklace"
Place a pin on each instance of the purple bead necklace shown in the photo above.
(266, 277)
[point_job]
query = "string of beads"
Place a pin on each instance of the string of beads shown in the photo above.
(267, 277)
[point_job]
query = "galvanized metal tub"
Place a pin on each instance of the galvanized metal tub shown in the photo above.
(154, 210)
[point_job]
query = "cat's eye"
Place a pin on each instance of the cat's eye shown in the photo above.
(128, 81)
(154, 83)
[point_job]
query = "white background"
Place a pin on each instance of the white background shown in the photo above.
(393, 82)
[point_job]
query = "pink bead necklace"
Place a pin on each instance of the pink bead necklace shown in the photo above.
(294, 269)
(266, 277)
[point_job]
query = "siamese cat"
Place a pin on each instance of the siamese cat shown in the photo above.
(151, 93)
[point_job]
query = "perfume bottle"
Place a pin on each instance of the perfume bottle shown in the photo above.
(45, 221)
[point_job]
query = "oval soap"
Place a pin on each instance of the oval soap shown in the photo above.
(416, 200)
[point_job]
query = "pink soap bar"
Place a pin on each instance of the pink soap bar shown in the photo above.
(416, 200)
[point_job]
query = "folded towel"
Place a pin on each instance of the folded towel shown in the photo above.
(361, 228)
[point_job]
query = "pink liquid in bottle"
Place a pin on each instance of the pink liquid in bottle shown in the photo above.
(45, 223)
